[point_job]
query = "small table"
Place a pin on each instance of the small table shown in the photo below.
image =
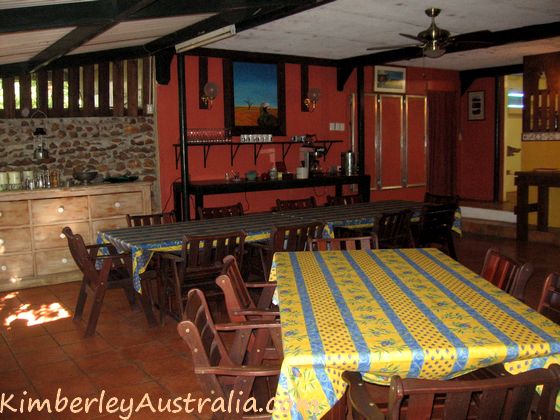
(412, 312)
(543, 179)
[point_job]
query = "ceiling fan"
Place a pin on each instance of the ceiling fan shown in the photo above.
(434, 40)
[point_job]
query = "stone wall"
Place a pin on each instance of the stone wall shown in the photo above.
(109, 145)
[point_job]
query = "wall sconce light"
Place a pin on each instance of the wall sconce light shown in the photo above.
(313, 95)
(210, 93)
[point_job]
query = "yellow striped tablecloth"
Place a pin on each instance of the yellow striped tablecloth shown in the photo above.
(412, 312)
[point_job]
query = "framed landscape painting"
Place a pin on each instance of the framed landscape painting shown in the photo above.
(254, 98)
(389, 79)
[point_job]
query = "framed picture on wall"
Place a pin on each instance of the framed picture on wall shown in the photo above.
(476, 106)
(254, 98)
(389, 79)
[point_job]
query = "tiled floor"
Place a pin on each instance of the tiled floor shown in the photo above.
(126, 358)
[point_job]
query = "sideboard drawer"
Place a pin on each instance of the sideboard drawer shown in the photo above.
(107, 205)
(15, 267)
(15, 240)
(47, 237)
(13, 213)
(108, 224)
(54, 261)
(59, 210)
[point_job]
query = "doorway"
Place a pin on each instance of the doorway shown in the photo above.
(512, 132)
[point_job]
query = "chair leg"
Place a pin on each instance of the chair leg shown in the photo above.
(451, 247)
(130, 294)
(177, 290)
(98, 297)
(82, 296)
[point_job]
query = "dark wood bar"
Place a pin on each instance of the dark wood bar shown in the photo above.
(201, 188)
(543, 179)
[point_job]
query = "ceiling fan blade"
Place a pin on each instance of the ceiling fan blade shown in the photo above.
(411, 37)
(392, 47)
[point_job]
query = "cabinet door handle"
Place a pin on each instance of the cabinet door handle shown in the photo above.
(60, 209)
(117, 204)
(1, 214)
(64, 260)
(61, 236)
(4, 268)
(1, 241)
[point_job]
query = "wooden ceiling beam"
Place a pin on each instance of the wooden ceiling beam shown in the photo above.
(121, 11)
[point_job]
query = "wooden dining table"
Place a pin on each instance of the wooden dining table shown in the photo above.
(411, 312)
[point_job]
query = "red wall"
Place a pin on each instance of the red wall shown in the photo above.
(475, 177)
(332, 107)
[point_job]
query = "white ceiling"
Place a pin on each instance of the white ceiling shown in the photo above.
(336, 30)
(346, 28)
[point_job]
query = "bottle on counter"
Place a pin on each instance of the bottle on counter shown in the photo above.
(273, 173)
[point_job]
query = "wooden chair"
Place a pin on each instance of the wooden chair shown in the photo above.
(220, 371)
(288, 239)
(198, 265)
(216, 212)
(344, 199)
(240, 305)
(342, 244)
(436, 222)
(113, 273)
(506, 397)
(506, 273)
(150, 219)
(302, 203)
(241, 308)
(549, 303)
(393, 229)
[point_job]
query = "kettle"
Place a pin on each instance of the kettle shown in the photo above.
(41, 152)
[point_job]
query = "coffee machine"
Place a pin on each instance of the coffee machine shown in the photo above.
(310, 158)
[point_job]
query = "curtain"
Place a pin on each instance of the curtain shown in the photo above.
(442, 140)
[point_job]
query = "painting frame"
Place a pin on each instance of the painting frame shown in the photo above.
(476, 106)
(237, 77)
(388, 79)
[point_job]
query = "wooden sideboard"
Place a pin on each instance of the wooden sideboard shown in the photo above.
(33, 250)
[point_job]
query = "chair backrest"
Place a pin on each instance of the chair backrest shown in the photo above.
(441, 199)
(217, 212)
(506, 273)
(549, 303)
(236, 295)
(204, 254)
(302, 203)
(294, 238)
(436, 222)
(150, 219)
(393, 229)
(83, 259)
(335, 200)
(505, 397)
(207, 348)
(342, 244)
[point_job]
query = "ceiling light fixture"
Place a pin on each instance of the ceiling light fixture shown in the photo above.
(205, 39)
(433, 50)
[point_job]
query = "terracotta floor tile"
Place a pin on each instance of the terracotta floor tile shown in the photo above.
(149, 351)
(24, 345)
(33, 414)
(118, 377)
(53, 372)
(165, 367)
(31, 359)
(69, 337)
(19, 329)
(180, 384)
(14, 380)
(77, 386)
(61, 325)
(92, 345)
(107, 360)
(8, 363)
